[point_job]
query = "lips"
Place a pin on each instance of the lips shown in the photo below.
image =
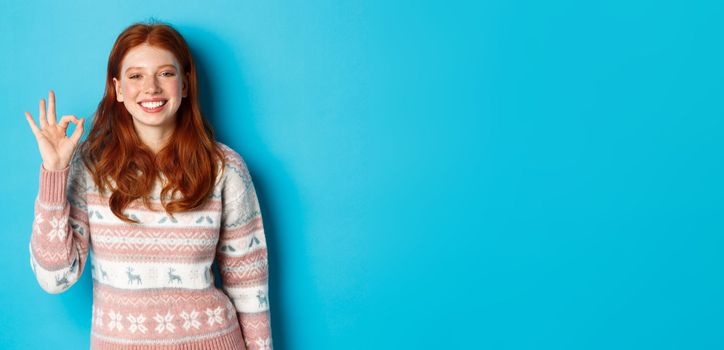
(153, 106)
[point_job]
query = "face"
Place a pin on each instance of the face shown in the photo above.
(151, 86)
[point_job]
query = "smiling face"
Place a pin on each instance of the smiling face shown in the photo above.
(151, 86)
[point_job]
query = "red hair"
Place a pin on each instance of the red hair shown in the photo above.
(113, 150)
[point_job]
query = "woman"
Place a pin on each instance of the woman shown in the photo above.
(157, 201)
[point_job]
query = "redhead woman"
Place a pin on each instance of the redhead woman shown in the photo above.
(153, 200)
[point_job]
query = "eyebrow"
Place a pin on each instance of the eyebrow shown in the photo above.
(165, 65)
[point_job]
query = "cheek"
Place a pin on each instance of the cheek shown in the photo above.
(129, 89)
(173, 87)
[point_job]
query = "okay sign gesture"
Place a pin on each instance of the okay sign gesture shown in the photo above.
(55, 148)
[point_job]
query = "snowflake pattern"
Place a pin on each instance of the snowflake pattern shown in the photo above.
(137, 323)
(263, 344)
(164, 323)
(99, 317)
(38, 220)
(57, 230)
(116, 318)
(190, 320)
(215, 316)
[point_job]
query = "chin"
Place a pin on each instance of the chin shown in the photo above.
(153, 121)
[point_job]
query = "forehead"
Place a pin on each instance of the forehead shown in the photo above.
(147, 56)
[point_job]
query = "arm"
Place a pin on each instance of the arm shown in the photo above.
(59, 239)
(242, 254)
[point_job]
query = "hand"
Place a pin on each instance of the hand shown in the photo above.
(55, 148)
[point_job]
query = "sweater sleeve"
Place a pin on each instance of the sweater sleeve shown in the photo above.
(242, 254)
(59, 239)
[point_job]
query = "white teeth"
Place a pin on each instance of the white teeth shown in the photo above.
(152, 105)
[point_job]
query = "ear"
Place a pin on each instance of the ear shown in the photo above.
(185, 86)
(119, 94)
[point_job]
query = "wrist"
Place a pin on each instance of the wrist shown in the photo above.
(54, 166)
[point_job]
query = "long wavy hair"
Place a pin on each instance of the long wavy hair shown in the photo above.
(113, 152)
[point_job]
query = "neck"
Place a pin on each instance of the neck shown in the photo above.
(155, 137)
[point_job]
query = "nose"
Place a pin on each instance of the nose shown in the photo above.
(152, 86)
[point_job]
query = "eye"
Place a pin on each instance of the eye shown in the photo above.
(134, 76)
(168, 74)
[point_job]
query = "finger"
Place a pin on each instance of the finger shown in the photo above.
(31, 122)
(67, 119)
(75, 137)
(51, 107)
(43, 120)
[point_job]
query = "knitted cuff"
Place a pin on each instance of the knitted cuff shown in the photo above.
(52, 185)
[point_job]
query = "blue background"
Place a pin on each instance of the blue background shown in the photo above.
(475, 175)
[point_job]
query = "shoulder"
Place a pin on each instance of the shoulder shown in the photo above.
(234, 165)
(77, 165)
(79, 177)
(231, 157)
(229, 153)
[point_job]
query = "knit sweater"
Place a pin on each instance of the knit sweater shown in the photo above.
(153, 287)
